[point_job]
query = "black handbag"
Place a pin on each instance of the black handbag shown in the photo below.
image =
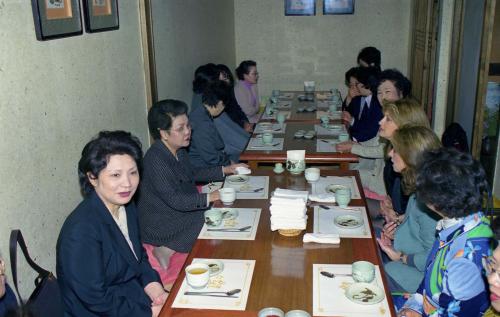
(45, 300)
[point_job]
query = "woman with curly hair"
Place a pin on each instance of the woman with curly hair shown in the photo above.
(414, 237)
(452, 185)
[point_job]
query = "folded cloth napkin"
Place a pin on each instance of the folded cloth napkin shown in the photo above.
(295, 224)
(322, 198)
(332, 238)
(288, 212)
(289, 193)
(288, 201)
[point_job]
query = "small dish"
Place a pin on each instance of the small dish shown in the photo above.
(365, 293)
(229, 214)
(348, 221)
(310, 109)
(271, 312)
(237, 179)
(309, 135)
(332, 188)
(214, 266)
(298, 134)
(300, 109)
(297, 313)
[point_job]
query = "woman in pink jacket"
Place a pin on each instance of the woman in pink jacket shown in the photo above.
(246, 91)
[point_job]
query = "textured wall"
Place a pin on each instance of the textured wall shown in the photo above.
(189, 33)
(55, 96)
(291, 49)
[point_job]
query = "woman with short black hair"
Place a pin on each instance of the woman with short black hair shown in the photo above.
(102, 268)
(453, 184)
(246, 90)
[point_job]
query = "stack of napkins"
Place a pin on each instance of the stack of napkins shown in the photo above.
(288, 209)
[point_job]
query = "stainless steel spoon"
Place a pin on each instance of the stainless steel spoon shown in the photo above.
(230, 229)
(216, 294)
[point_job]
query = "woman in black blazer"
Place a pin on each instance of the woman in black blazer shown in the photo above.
(102, 268)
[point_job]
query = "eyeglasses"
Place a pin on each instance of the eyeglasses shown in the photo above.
(491, 267)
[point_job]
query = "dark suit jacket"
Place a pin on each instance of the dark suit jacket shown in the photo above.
(207, 146)
(366, 127)
(170, 206)
(97, 272)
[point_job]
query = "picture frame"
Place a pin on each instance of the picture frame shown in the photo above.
(101, 15)
(338, 7)
(300, 7)
(56, 18)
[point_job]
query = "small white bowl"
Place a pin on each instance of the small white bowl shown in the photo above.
(297, 313)
(271, 311)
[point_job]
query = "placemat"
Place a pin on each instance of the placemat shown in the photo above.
(274, 128)
(272, 116)
(324, 221)
(252, 188)
(320, 130)
(326, 145)
(237, 274)
(332, 115)
(246, 217)
(329, 293)
(256, 144)
(320, 186)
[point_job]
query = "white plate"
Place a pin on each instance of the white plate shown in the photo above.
(237, 179)
(348, 221)
(332, 188)
(365, 293)
(214, 266)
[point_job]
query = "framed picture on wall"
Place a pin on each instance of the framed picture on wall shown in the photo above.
(338, 7)
(100, 15)
(56, 18)
(300, 7)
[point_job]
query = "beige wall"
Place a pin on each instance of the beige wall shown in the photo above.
(189, 33)
(291, 49)
(55, 96)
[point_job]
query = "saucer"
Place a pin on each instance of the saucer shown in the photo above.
(348, 221)
(332, 188)
(237, 179)
(365, 293)
(214, 266)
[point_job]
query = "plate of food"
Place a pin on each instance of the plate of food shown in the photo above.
(332, 188)
(237, 179)
(365, 293)
(348, 221)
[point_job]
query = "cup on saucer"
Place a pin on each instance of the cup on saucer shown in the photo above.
(278, 168)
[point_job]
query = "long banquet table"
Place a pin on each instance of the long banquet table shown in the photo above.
(287, 291)
(253, 157)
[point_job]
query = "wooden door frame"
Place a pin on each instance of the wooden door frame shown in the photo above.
(148, 52)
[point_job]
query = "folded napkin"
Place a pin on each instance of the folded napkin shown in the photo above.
(288, 202)
(322, 198)
(288, 224)
(331, 238)
(287, 212)
(289, 193)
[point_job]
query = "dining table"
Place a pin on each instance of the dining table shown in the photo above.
(254, 156)
(284, 281)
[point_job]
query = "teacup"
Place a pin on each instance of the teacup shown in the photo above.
(213, 217)
(343, 137)
(363, 271)
(343, 197)
(324, 120)
(278, 168)
(227, 195)
(197, 275)
(267, 138)
(280, 117)
(312, 174)
(297, 313)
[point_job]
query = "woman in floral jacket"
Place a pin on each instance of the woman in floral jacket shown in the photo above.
(452, 184)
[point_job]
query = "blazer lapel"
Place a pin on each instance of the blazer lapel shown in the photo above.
(114, 231)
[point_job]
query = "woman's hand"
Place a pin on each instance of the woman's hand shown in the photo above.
(158, 296)
(392, 253)
(248, 127)
(389, 230)
(214, 196)
(345, 146)
(346, 116)
(2, 278)
(231, 169)
(405, 312)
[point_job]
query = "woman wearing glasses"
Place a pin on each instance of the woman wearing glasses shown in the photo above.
(452, 185)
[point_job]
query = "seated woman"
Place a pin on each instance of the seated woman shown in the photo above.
(8, 301)
(452, 184)
(246, 90)
(370, 57)
(207, 148)
(233, 109)
(392, 87)
(352, 85)
(364, 111)
(102, 268)
(414, 237)
(234, 136)
(171, 208)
